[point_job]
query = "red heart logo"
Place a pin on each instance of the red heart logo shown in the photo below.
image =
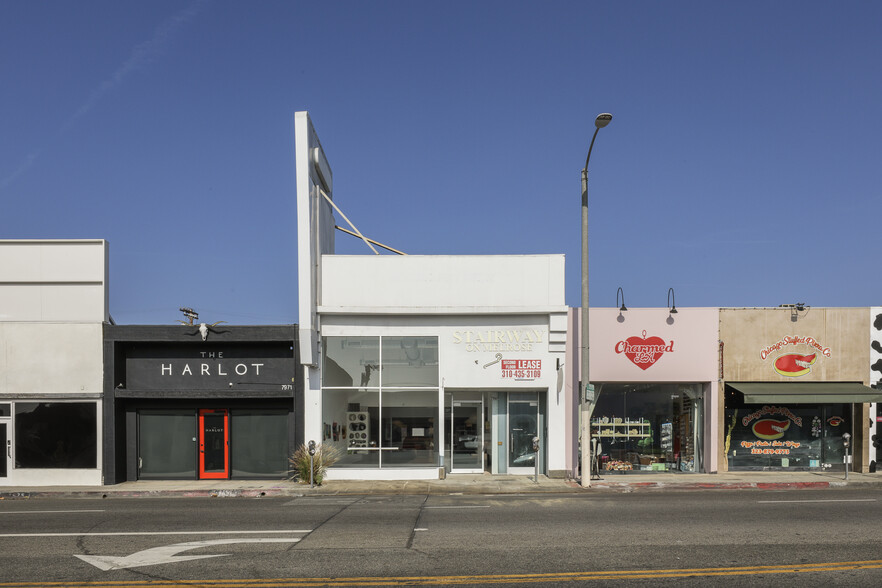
(644, 351)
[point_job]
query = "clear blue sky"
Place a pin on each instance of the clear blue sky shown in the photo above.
(742, 166)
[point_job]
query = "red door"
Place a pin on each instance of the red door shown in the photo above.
(214, 443)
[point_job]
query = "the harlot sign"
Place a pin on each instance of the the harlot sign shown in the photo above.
(211, 362)
(203, 367)
(496, 340)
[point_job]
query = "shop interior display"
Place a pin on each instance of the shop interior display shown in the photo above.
(656, 429)
(358, 428)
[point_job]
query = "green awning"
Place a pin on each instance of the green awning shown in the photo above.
(806, 392)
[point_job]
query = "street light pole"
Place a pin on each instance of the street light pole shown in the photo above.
(586, 404)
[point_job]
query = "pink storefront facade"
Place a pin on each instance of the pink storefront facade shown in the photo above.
(656, 377)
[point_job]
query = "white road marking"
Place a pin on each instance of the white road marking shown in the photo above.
(167, 554)
(420, 529)
(463, 506)
(45, 511)
(316, 502)
(830, 500)
(149, 533)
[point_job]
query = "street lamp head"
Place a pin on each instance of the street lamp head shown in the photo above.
(601, 121)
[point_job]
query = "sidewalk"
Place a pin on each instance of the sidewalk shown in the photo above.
(454, 484)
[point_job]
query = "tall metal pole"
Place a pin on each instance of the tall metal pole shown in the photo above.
(586, 404)
(583, 340)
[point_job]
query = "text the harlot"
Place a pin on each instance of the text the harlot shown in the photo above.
(208, 369)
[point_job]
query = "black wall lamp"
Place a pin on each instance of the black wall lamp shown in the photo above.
(672, 304)
(623, 308)
(621, 294)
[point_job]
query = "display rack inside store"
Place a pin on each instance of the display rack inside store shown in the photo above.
(620, 428)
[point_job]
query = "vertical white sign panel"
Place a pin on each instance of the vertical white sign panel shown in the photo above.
(315, 229)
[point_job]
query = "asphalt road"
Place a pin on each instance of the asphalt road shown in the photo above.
(737, 538)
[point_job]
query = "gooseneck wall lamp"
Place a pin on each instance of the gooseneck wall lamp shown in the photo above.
(672, 304)
(621, 294)
(587, 403)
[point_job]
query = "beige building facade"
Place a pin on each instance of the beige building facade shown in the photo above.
(795, 387)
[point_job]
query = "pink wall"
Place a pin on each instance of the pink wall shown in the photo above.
(649, 345)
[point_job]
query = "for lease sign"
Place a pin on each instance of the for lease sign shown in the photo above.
(526, 369)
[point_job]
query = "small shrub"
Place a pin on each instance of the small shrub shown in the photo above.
(324, 458)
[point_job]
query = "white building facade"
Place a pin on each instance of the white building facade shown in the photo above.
(420, 366)
(53, 306)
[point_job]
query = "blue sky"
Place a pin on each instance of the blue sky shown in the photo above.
(742, 165)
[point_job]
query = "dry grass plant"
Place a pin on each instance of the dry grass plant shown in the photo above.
(325, 456)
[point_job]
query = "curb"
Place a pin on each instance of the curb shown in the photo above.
(292, 491)
(296, 492)
(631, 487)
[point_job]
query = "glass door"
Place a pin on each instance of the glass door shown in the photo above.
(6, 458)
(467, 437)
(214, 444)
(523, 425)
(5, 441)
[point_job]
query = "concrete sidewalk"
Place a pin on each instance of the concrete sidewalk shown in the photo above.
(454, 484)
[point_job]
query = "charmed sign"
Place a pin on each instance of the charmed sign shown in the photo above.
(644, 351)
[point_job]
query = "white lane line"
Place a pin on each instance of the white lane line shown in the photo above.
(44, 511)
(148, 533)
(314, 502)
(464, 506)
(825, 500)
(423, 529)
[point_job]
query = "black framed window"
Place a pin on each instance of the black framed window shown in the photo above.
(56, 435)
(260, 443)
(167, 444)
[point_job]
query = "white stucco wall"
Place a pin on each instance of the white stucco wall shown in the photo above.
(442, 283)
(462, 300)
(53, 280)
(51, 359)
(53, 305)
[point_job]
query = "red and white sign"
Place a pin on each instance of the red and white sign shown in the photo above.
(794, 365)
(644, 351)
(522, 369)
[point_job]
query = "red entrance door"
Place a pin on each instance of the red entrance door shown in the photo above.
(214, 443)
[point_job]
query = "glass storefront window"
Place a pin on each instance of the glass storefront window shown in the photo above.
(793, 436)
(380, 401)
(350, 362)
(56, 435)
(649, 427)
(259, 443)
(167, 444)
(409, 433)
(351, 424)
(410, 361)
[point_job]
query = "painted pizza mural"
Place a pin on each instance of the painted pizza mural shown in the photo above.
(794, 356)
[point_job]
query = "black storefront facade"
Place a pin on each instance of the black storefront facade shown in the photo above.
(200, 402)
